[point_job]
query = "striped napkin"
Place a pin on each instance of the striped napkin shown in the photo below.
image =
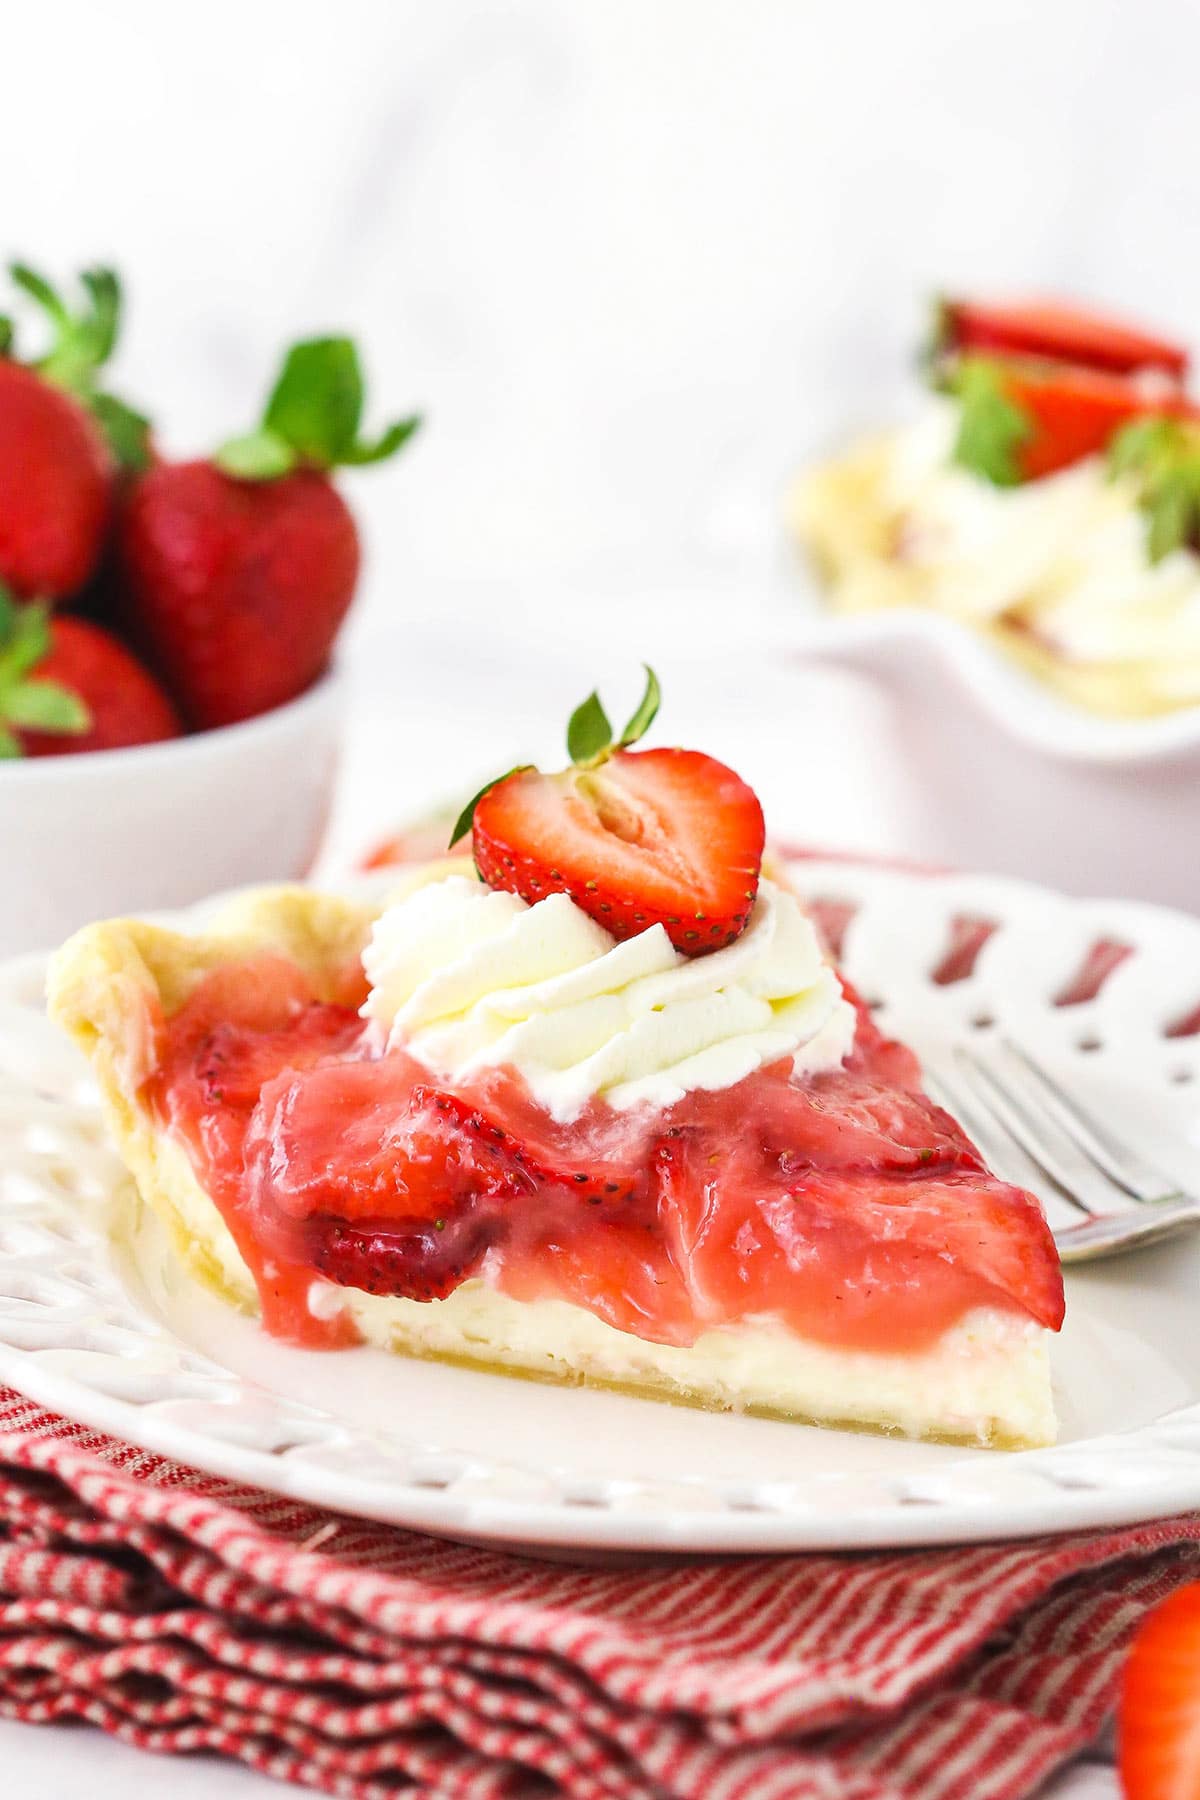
(182, 1612)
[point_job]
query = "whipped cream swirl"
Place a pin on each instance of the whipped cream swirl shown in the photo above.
(465, 978)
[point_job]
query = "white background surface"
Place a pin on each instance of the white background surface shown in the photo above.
(636, 261)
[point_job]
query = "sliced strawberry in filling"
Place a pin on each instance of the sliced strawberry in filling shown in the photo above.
(851, 1123)
(243, 1026)
(848, 1206)
(871, 1262)
(417, 1259)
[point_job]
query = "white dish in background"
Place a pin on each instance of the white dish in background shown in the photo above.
(124, 1340)
(118, 831)
(993, 770)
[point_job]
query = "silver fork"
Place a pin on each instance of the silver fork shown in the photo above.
(1038, 1133)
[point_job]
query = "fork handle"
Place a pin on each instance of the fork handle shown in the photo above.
(1108, 1233)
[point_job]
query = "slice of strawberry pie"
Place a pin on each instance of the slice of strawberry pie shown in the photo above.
(593, 1107)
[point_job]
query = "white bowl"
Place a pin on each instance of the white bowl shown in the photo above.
(115, 831)
(996, 772)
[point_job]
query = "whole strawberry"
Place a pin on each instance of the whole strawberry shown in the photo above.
(238, 570)
(61, 441)
(1158, 1742)
(67, 685)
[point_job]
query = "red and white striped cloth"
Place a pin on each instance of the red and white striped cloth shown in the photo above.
(182, 1612)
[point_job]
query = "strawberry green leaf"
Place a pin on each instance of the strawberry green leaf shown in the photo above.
(45, 706)
(1161, 456)
(103, 324)
(1169, 518)
(317, 402)
(34, 705)
(589, 742)
(589, 734)
(259, 456)
(83, 341)
(1140, 444)
(24, 639)
(40, 290)
(466, 817)
(646, 712)
(6, 335)
(127, 431)
(991, 427)
(312, 417)
(385, 445)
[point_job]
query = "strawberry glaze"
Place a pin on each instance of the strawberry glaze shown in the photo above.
(847, 1205)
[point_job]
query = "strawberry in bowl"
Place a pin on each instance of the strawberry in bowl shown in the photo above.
(62, 440)
(237, 570)
(592, 1106)
(168, 706)
(67, 685)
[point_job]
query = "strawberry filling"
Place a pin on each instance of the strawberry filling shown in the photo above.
(848, 1205)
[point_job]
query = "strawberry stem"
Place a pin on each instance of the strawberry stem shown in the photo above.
(34, 705)
(83, 342)
(991, 426)
(589, 743)
(645, 713)
(312, 418)
(589, 734)
(1162, 456)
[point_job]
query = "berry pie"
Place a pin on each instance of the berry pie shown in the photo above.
(591, 1105)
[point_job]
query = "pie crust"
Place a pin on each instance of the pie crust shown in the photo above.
(986, 1381)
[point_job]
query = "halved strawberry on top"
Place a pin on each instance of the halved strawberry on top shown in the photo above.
(635, 838)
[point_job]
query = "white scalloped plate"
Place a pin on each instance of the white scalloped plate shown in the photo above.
(121, 1339)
